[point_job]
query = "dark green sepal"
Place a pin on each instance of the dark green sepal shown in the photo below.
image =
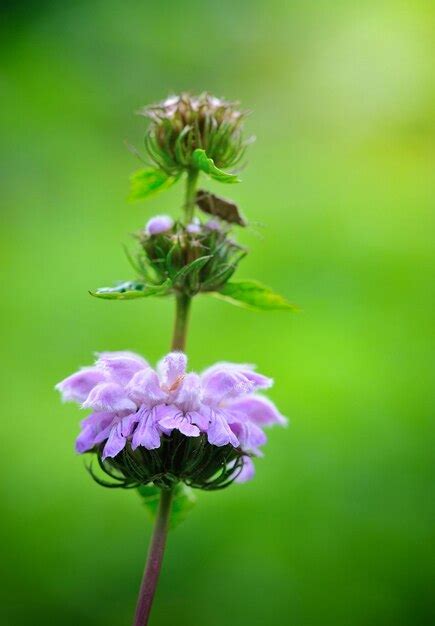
(191, 460)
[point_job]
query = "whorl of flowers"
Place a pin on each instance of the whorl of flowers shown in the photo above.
(137, 407)
(183, 123)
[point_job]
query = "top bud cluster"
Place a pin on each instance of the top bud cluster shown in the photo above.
(182, 124)
(189, 136)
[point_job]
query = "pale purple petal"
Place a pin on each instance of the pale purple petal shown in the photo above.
(76, 388)
(147, 433)
(245, 369)
(247, 472)
(121, 369)
(194, 227)
(109, 397)
(213, 225)
(115, 443)
(171, 370)
(178, 421)
(223, 384)
(144, 388)
(187, 428)
(159, 224)
(128, 424)
(168, 416)
(92, 426)
(258, 409)
(250, 435)
(116, 353)
(200, 418)
(161, 412)
(188, 397)
(219, 433)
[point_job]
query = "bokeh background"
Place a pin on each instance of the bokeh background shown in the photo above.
(337, 527)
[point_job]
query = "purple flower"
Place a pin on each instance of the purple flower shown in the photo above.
(213, 224)
(194, 227)
(159, 224)
(136, 404)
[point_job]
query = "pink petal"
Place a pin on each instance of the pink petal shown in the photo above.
(171, 369)
(76, 388)
(258, 409)
(109, 397)
(144, 388)
(121, 368)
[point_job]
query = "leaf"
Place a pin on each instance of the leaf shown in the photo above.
(253, 295)
(206, 165)
(183, 501)
(195, 265)
(148, 181)
(221, 207)
(132, 290)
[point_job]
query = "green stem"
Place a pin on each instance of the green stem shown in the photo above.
(181, 321)
(154, 560)
(189, 199)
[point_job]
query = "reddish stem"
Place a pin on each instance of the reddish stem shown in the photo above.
(154, 560)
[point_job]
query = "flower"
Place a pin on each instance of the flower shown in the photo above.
(194, 227)
(159, 224)
(182, 123)
(137, 409)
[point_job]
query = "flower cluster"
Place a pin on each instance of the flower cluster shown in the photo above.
(135, 407)
(181, 124)
(195, 257)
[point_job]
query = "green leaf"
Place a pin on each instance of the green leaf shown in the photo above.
(195, 265)
(132, 290)
(183, 501)
(206, 165)
(253, 295)
(148, 181)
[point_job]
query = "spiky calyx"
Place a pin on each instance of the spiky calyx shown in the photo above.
(193, 461)
(184, 123)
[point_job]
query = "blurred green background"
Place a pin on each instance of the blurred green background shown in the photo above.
(336, 529)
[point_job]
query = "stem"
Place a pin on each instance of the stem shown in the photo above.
(189, 201)
(181, 321)
(154, 560)
(158, 540)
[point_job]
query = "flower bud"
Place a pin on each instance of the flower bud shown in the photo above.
(170, 252)
(183, 123)
(194, 227)
(159, 224)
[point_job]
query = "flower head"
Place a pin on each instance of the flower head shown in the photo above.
(164, 425)
(182, 123)
(159, 224)
(169, 247)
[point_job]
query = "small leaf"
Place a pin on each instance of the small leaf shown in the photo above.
(148, 181)
(195, 265)
(183, 501)
(206, 165)
(221, 207)
(132, 290)
(253, 295)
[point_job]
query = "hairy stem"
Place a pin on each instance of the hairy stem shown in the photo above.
(189, 199)
(181, 321)
(154, 560)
